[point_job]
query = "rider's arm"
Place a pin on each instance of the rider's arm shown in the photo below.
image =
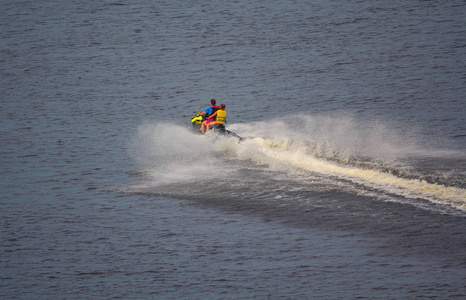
(206, 112)
(213, 116)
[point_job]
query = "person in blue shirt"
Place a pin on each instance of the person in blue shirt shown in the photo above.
(209, 114)
(211, 110)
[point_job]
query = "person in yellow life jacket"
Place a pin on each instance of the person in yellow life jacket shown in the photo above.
(219, 117)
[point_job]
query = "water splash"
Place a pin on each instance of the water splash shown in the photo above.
(170, 153)
(368, 156)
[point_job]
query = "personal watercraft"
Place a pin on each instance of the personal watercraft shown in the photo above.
(219, 128)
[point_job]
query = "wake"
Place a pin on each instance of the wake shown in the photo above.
(372, 155)
(367, 156)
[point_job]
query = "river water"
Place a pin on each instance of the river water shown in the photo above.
(349, 183)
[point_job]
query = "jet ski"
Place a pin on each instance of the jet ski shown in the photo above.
(219, 128)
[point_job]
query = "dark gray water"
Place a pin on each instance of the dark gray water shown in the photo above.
(350, 182)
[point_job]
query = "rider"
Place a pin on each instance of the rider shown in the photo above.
(211, 110)
(221, 119)
(207, 115)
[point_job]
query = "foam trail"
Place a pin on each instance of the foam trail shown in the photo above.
(370, 155)
(411, 188)
(347, 151)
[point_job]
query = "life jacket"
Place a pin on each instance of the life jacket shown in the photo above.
(214, 109)
(221, 117)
